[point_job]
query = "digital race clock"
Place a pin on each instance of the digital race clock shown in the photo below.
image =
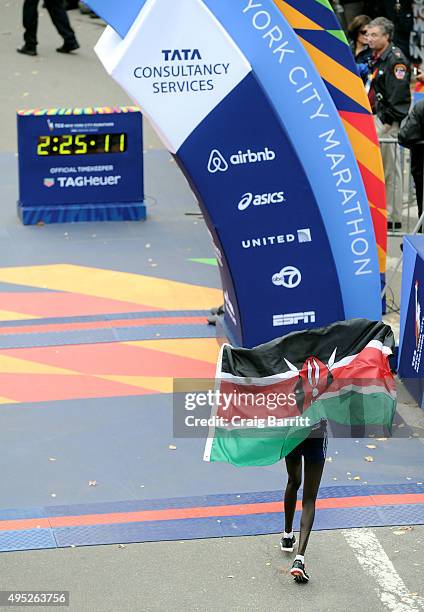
(80, 165)
(81, 144)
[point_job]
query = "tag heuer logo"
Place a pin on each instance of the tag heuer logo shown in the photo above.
(48, 182)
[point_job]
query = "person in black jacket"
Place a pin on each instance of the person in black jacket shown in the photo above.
(410, 134)
(390, 98)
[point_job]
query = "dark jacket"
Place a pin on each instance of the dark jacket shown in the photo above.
(391, 84)
(411, 132)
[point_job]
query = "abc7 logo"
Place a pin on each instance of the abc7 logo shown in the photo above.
(289, 277)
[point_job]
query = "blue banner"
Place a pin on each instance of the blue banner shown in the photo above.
(236, 99)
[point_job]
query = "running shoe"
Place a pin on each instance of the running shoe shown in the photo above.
(287, 544)
(298, 572)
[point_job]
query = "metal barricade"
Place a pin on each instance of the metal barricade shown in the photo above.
(408, 203)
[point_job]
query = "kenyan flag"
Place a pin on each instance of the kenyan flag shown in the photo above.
(269, 398)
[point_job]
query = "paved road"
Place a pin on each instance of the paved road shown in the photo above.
(374, 569)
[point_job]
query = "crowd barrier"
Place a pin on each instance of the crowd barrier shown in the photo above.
(409, 201)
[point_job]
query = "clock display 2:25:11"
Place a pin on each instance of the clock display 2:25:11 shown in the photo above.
(81, 144)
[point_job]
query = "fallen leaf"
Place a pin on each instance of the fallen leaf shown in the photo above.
(408, 478)
(230, 576)
(172, 447)
(92, 483)
(381, 439)
(356, 478)
(403, 530)
(268, 563)
(371, 446)
(369, 459)
(121, 545)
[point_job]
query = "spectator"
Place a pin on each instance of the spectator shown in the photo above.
(390, 98)
(401, 14)
(410, 133)
(352, 9)
(57, 12)
(357, 32)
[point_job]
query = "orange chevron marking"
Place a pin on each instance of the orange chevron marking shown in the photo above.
(296, 19)
(375, 189)
(45, 387)
(15, 365)
(115, 359)
(54, 304)
(367, 152)
(6, 400)
(363, 122)
(9, 315)
(148, 291)
(335, 74)
(154, 384)
(201, 349)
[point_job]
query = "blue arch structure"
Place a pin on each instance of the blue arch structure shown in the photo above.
(279, 108)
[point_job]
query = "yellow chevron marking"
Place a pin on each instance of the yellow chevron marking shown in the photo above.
(366, 151)
(6, 400)
(8, 315)
(160, 384)
(339, 76)
(201, 349)
(295, 18)
(15, 365)
(382, 258)
(381, 211)
(123, 286)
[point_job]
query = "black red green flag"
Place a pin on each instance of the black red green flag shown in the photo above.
(269, 398)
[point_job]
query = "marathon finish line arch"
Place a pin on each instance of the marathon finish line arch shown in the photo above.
(237, 100)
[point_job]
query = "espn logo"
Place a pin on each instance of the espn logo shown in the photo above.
(293, 318)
